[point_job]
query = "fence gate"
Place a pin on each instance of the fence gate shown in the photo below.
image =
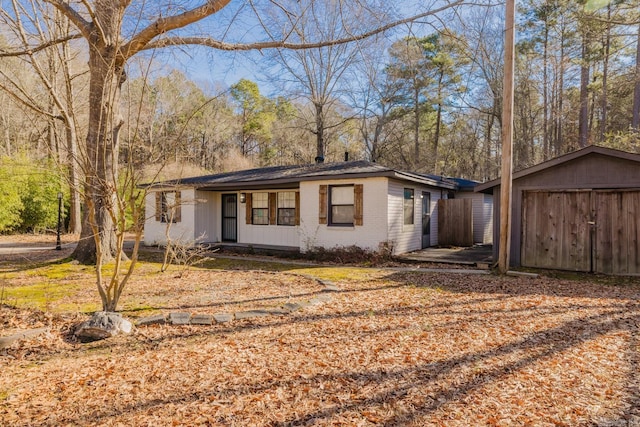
(581, 230)
(455, 222)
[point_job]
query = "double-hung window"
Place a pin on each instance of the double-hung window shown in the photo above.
(260, 208)
(341, 205)
(287, 208)
(409, 206)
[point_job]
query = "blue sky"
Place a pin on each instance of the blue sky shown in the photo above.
(212, 68)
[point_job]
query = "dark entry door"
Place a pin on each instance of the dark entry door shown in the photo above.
(229, 218)
(426, 220)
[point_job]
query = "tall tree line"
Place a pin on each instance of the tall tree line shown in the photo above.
(429, 101)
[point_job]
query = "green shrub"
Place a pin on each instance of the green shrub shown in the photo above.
(28, 195)
(10, 201)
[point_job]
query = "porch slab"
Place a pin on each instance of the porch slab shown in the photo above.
(473, 256)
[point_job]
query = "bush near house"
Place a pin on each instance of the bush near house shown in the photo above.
(28, 195)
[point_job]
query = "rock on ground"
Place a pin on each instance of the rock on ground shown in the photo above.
(102, 325)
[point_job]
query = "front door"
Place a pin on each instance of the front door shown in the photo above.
(229, 218)
(426, 219)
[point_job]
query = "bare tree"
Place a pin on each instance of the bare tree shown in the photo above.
(54, 75)
(635, 120)
(318, 75)
(113, 32)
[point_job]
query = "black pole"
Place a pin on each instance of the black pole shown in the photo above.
(58, 243)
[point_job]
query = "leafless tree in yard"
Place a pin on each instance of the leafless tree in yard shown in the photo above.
(114, 31)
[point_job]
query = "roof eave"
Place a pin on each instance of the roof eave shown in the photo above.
(484, 188)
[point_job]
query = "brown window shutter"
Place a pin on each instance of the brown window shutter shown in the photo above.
(177, 209)
(357, 201)
(273, 207)
(297, 208)
(248, 214)
(322, 215)
(158, 206)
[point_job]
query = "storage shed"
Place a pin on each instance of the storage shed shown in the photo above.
(579, 211)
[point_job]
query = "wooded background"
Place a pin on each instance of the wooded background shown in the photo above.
(424, 97)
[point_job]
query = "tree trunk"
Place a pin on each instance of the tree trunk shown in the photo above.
(436, 138)
(559, 111)
(98, 237)
(320, 143)
(635, 119)
(545, 93)
(583, 118)
(75, 212)
(488, 169)
(605, 72)
(416, 127)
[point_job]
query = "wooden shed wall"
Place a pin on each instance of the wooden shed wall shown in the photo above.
(591, 171)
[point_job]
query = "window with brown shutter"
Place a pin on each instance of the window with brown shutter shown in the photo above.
(273, 205)
(322, 211)
(358, 202)
(247, 211)
(297, 220)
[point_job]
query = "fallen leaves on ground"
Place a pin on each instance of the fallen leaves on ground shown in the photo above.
(406, 349)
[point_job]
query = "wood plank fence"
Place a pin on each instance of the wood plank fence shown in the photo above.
(455, 222)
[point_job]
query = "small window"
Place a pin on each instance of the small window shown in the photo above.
(260, 208)
(341, 204)
(287, 208)
(168, 206)
(408, 206)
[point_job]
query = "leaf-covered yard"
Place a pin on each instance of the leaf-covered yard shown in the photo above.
(390, 348)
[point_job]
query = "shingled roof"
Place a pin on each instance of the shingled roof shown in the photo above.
(291, 176)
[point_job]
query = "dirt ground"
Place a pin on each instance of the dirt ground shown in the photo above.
(392, 348)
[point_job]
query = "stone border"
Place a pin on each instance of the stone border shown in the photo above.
(188, 318)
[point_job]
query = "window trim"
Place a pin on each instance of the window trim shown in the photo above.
(291, 209)
(255, 210)
(405, 205)
(331, 222)
(272, 210)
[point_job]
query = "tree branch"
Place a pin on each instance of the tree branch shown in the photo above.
(283, 44)
(83, 25)
(163, 25)
(43, 46)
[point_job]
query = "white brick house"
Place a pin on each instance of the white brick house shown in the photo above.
(300, 207)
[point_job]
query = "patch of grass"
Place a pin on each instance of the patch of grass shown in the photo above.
(40, 295)
(242, 264)
(138, 309)
(86, 308)
(336, 273)
(55, 271)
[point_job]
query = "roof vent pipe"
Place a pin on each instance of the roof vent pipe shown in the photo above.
(346, 156)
